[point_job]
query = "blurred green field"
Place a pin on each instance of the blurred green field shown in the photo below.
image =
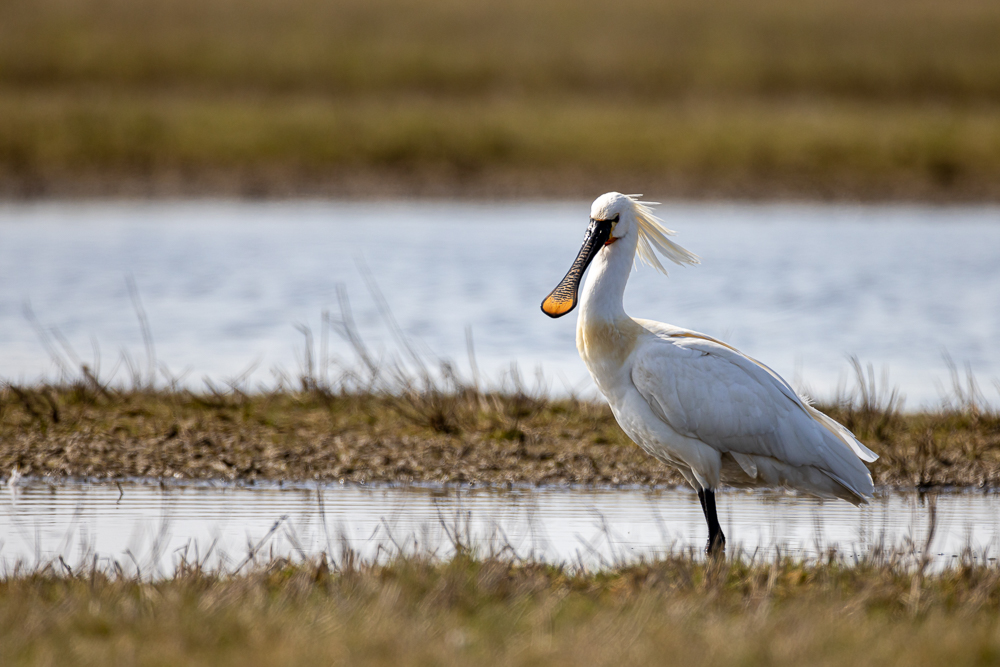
(888, 99)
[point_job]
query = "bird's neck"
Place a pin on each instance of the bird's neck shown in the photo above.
(601, 301)
(605, 335)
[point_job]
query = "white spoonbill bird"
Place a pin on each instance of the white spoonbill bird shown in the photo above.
(689, 400)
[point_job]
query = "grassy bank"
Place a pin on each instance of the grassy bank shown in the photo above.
(461, 435)
(839, 99)
(492, 611)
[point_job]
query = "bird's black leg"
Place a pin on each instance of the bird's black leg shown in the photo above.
(716, 540)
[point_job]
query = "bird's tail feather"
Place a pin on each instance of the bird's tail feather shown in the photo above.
(855, 496)
(842, 434)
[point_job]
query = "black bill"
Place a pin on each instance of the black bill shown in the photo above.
(564, 297)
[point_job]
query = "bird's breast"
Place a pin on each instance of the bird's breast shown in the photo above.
(606, 345)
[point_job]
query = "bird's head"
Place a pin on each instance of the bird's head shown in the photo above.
(614, 211)
(613, 217)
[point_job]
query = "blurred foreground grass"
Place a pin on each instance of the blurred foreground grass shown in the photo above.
(899, 98)
(489, 610)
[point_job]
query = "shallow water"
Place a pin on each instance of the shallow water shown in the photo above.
(151, 527)
(225, 283)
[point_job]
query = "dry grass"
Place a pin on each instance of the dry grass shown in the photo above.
(490, 610)
(424, 433)
(487, 438)
(957, 445)
(841, 98)
(400, 417)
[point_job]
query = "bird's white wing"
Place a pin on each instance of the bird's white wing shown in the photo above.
(705, 389)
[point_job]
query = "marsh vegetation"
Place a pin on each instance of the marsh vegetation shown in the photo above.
(490, 608)
(398, 426)
(894, 99)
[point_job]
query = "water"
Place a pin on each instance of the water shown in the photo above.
(151, 527)
(224, 285)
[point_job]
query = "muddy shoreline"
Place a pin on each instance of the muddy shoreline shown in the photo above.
(471, 439)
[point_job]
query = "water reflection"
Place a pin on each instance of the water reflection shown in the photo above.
(151, 527)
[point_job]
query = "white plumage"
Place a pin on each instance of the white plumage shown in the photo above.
(688, 399)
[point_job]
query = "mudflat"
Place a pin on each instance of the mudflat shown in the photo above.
(465, 437)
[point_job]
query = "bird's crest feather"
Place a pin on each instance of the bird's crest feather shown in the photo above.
(653, 238)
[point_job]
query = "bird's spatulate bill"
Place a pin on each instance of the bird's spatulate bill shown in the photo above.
(564, 297)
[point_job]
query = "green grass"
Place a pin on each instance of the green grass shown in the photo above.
(841, 98)
(484, 610)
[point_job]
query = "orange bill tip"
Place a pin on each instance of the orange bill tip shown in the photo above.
(554, 307)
